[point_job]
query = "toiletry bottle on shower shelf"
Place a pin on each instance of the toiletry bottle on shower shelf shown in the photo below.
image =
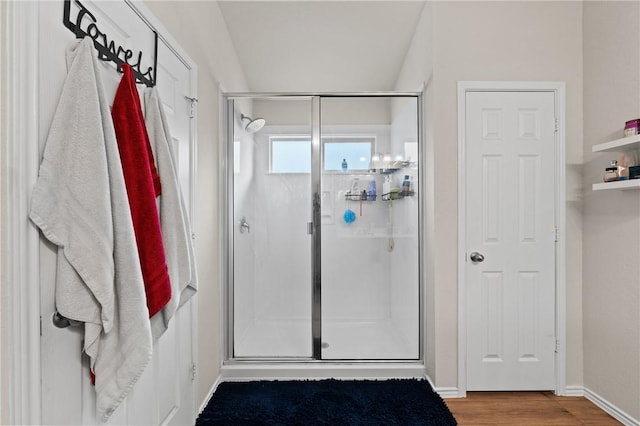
(344, 165)
(406, 186)
(386, 187)
(372, 189)
(355, 189)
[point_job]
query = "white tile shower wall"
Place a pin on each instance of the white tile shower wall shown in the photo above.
(405, 261)
(244, 206)
(356, 264)
(282, 250)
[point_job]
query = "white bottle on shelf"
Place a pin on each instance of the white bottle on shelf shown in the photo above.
(355, 188)
(386, 185)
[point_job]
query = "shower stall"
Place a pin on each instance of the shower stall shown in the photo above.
(323, 237)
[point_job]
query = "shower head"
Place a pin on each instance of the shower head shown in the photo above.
(253, 125)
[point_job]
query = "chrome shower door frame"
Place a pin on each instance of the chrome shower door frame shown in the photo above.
(227, 225)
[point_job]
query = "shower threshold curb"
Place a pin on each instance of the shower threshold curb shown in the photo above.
(241, 371)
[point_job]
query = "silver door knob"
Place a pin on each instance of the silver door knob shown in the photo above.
(476, 257)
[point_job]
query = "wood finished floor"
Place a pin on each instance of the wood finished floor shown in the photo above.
(526, 408)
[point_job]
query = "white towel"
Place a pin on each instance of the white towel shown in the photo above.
(80, 204)
(174, 220)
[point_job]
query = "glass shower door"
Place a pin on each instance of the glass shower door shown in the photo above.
(370, 228)
(271, 254)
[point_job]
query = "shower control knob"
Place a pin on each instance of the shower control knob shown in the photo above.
(476, 257)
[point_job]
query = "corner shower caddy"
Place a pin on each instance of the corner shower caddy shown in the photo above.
(623, 144)
(385, 196)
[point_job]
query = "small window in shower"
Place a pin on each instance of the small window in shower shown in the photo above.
(290, 155)
(293, 154)
(356, 151)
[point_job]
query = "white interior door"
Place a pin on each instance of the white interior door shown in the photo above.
(510, 232)
(165, 394)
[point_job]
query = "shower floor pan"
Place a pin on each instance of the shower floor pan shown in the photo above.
(341, 340)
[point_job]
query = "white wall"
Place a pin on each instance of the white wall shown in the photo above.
(611, 218)
(404, 272)
(200, 29)
(470, 41)
(244, 207)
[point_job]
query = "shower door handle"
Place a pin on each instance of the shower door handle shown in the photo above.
(310, 228)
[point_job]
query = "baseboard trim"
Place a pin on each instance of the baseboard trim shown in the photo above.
(611, 409)
(603, 404)
(204, 404)
(573, 391)
(448, 392)
(445, 392)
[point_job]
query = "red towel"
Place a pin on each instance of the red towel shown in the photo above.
(143, 185)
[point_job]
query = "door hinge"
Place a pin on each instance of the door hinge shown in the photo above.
(555, 232)
(192, 106)
(193, 371)
(557, 346)
(556, 125)
(40, 325)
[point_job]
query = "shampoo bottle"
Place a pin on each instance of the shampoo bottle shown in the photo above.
(372, 189)
(386, 186)
(406, 185)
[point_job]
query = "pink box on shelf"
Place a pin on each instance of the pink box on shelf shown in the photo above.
(632, 127)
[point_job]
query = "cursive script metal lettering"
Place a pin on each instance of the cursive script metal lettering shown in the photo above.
(107, 49)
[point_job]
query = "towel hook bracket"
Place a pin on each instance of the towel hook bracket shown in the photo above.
(86, 25)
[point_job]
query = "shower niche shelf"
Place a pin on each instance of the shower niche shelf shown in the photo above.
(403, 165)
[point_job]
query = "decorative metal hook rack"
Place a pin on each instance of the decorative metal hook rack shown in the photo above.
(107, 49)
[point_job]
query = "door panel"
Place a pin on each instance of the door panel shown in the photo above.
(165, 392)
(370, 263)
(511, 222)
(272, 206)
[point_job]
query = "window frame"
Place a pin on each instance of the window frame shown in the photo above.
(371, 139)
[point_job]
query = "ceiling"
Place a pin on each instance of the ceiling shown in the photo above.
(321, 46)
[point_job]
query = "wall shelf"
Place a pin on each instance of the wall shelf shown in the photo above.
(621, 184)
(622, 144)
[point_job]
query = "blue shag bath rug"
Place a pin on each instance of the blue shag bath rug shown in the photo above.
(326, 402)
